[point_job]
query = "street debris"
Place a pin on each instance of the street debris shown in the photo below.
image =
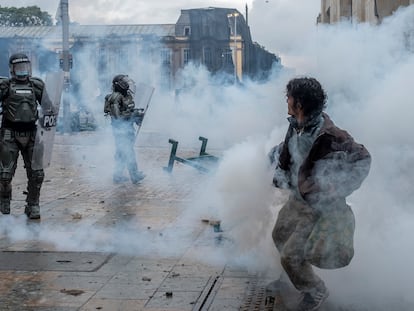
(215, 223)
(76, 216)
(72, 292)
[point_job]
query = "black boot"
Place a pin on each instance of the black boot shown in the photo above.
(5, 206)
(32, 211)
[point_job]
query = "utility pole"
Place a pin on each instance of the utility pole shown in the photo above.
(247, 15)
(235, 47)
(65, 64)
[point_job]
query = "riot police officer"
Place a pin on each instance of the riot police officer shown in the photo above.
(20, 96)
(121, 107)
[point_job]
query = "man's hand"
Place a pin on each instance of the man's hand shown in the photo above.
(280, 179)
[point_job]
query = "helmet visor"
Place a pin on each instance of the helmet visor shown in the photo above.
(131, 84)
(21, 69)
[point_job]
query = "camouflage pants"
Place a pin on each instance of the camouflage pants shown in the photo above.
(306, 237)
(293, 227)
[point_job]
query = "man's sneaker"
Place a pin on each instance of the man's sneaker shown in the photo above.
(32, 211)
(311, 301)
(5, 207)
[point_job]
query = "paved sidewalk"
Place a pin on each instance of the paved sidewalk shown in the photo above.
(101, 246)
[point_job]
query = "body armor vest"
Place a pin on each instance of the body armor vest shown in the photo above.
(126, 104)
(21, 104)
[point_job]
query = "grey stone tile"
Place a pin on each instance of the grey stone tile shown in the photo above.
(58, 298)
(177, 300)
(85, 283)
(178, 283)
(113, 305)
(225, 305)
(126, 291)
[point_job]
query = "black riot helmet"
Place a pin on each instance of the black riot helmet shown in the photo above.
(20, 67)
(120, 83)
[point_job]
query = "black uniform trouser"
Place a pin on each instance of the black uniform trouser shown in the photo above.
(11, 144)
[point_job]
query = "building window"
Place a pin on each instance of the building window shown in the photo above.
(228, 56)
(208, 58)
(122, 57)
(102, 59)
(114, 61)
(207, 31)
(186, 56)
(166, 57)
(187, 31)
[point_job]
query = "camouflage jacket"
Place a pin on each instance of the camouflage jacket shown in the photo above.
(335, 166)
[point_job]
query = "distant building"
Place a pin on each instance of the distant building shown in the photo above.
(218, 38)
(359, 11)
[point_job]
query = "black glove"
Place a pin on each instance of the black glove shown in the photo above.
(137, 116)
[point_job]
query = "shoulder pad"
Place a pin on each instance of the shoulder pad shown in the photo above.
(37, 82)
(114, 96)
(4, 79)
(4, 82)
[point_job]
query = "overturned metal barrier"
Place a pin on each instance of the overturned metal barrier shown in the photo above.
(199, 162)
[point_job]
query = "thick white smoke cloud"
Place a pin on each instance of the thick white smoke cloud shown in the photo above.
(367, 72)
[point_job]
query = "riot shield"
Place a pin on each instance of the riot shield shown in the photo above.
(142, 99)
(46, 125)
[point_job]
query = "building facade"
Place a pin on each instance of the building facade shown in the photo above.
(217, 38)
(358, 11)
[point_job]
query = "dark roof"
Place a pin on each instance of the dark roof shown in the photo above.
(43, 32)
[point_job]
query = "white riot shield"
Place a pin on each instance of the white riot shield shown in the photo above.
(46, 125)
(142, 99)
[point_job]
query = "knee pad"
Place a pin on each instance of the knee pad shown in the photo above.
(6, 177)
(36, 176)
(5, 188)
(9, 153)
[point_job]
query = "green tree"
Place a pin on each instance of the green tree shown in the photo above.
(27, 16)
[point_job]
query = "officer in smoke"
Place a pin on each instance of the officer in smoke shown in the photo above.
(120, 106)
(20, 97)
(321, 165)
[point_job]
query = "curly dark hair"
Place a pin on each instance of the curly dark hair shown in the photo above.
(309, 92)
